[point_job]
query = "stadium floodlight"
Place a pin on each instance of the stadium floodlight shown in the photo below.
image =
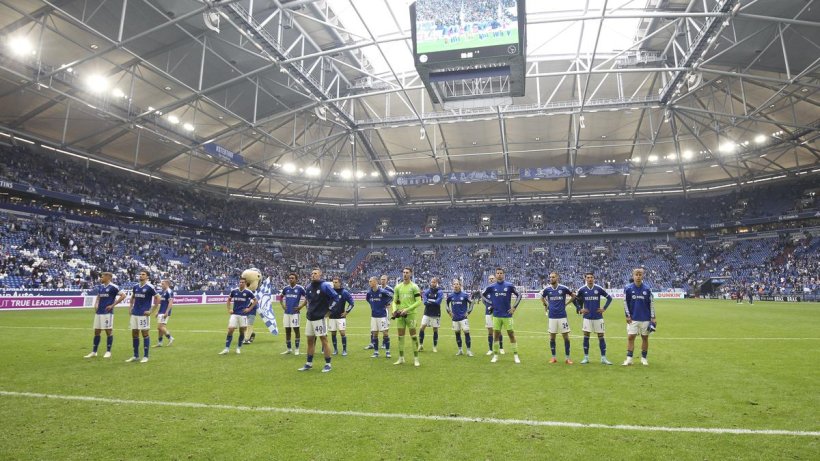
(727, 148)
(21, 46)
(359, 174)
(374, 174)
(636, 159)
(313, 171)
(687, 155)
(760, 139)
(346, 174)
(188, 127)
(173, 119)
(652, 158)
(672, 156)
(289, 168)
(391, 174)
(117, 93)
(97, 83)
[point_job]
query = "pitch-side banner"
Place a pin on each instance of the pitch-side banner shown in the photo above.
(472, 176)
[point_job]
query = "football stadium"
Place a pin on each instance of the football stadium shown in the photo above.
(396, 229)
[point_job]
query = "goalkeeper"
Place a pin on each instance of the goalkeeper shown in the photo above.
(406, 299)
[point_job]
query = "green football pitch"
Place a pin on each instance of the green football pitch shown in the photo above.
(432, 46)
(720, 377)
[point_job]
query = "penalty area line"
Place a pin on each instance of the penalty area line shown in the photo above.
(407, 416)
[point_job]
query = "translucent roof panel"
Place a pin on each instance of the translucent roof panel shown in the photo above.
(547, 34)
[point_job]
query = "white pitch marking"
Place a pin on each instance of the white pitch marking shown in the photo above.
(459, 419)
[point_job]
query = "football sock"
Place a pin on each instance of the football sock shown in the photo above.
(415, 340)
(96, 343)
(401, 346)
(458, 339)
(490, 342)
(135, 342)
(552, 347)
(467, 339)
(335, 343)
(327, 360)
(435, 338)
(643, 353)
(309, 360)
(566, 347)
(586, 346)
(228, 340)
(241, 339)
(374, 340)
(344, 343)
(602, 344)
(297, 343)
(629, 353)
(421, 337)
(386, 344)
(109, 341)
(287, 343)
(146, 345)
(501, 343)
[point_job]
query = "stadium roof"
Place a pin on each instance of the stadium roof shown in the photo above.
(323, 103)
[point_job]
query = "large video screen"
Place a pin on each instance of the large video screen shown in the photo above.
(483, 27)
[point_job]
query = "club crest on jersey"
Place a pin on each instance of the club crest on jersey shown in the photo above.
(645, 293)
(596, 292)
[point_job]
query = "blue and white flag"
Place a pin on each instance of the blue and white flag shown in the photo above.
(265, 296)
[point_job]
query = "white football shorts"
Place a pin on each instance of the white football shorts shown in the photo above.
(238, 321)
(593, 326)
(558, 326)
(379, 324)
(316, 327)
(103, 321)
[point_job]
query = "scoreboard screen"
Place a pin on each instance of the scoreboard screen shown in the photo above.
(456, 30)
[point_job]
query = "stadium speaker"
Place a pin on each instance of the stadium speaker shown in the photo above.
(211, 19)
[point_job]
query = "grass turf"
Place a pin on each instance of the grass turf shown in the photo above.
(713, 364)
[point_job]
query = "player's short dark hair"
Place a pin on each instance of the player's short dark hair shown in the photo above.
(589, 273)
(144, 271)
(336, 277)
(499, 269)
(408, 268)
(293, 274)
(110, 274)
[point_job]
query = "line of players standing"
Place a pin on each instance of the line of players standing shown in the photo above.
(328, 305)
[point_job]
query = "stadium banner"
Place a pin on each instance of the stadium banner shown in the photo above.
(211, 299)
(188, 299)
(45, 302)
(472, 176)
(605, 169)
(223, 153)
(417, 179)
(551, 172)
(618, 293)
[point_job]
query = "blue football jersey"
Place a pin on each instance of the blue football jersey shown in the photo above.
(107, 294)
(556, 298)
(459, 304)
(143, 298)
(292, 296)
(165, 297)
(241, 300)
(500, 295)
(590, 298)
(379, 300)
(638, 302)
